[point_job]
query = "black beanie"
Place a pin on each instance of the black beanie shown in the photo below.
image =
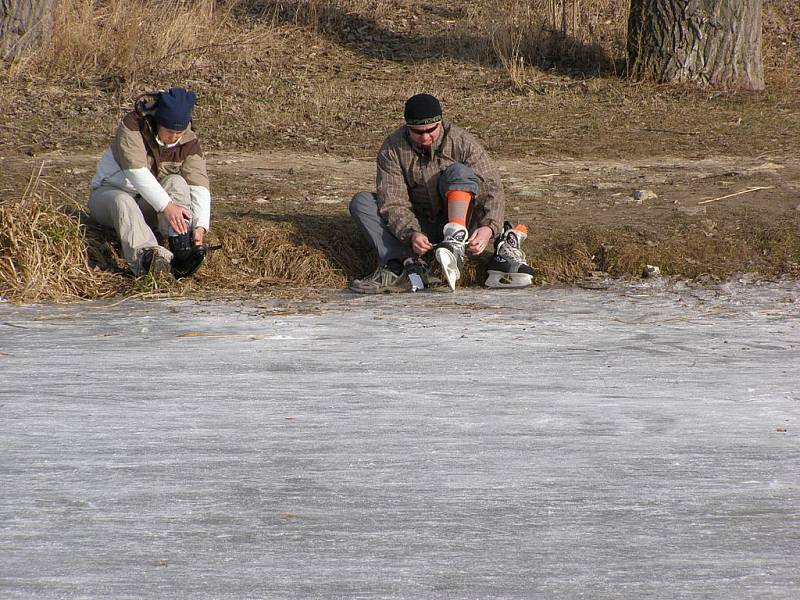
(422, 109)
(174, 108)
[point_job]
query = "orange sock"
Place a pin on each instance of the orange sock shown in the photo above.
(521, 228)
(458, 202)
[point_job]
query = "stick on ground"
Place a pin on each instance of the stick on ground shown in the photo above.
(755, 189)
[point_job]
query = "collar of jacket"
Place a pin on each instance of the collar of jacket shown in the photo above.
(434, 148)
(148, 129)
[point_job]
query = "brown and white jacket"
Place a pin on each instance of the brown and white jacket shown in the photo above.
(407, 180)
(136, 161)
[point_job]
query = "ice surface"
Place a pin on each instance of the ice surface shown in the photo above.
(636, 442)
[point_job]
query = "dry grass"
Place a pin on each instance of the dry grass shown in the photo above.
(48, 254)
(129, 41)
(44, 252)
(298, 74)
(579, 35)
(122, 42)
(755, 245)
(259, 253)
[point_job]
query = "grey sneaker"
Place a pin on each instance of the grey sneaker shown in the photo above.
(382, 281)
(150, 261)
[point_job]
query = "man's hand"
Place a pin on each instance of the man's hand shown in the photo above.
(479, 240)
(177, 216)
(199, 235)
(420, 243)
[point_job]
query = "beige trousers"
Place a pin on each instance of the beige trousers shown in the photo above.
(134, 220)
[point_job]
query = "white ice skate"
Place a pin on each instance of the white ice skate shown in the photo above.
(450, 252)
(508, 267)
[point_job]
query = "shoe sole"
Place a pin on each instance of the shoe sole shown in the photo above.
(501, 279)
(449, 267)
(376, 292)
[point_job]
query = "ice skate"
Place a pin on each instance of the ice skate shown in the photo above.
(186, 256)
(450, 252)
(417, 272)
(508, 267)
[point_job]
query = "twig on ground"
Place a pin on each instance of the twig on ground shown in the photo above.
(669, 131)
(755, 189)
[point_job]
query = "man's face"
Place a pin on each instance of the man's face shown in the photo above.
(169, 136)
(425, 135)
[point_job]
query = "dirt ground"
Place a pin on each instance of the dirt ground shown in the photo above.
(609, 175)
(717, 215)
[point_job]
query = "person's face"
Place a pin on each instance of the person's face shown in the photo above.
(425, 135)
(169, 136)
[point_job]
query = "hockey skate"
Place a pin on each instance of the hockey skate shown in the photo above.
(417, 272)
(450, 252)
(186, 256)
(508, 267)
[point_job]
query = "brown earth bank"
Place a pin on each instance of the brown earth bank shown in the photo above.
(610, 175)
(282, 217)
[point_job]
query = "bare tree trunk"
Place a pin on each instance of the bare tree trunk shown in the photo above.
(24, 24)
(715, 43)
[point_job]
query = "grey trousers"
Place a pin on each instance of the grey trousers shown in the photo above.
(134, 220)
(364, 210)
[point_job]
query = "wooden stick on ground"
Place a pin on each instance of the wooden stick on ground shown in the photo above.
(755, 189)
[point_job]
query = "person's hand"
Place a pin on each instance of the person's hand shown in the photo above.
(199, 235)
(177, 216)
(479, 240)
(420, 243)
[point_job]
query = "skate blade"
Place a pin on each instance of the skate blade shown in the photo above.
(499, 279)
(449, 267)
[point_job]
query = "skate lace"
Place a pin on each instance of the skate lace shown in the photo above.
(457, 247)
(512, 254)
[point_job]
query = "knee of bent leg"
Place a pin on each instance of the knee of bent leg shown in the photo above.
(459, 176)
(362, 202)
(176, 186)
(121, 205)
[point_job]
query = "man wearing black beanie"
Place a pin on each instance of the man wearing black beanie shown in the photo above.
(437, 191)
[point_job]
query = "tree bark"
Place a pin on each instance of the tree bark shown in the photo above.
(714, 43)
(24, 24)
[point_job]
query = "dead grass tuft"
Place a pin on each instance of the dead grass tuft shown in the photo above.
(755, 245)
(125, 41)
(576, 35)
(44, 252)
(259, 253)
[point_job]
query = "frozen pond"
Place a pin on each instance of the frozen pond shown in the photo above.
(637, 442)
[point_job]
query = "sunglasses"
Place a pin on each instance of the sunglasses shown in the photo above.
(427, 131)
